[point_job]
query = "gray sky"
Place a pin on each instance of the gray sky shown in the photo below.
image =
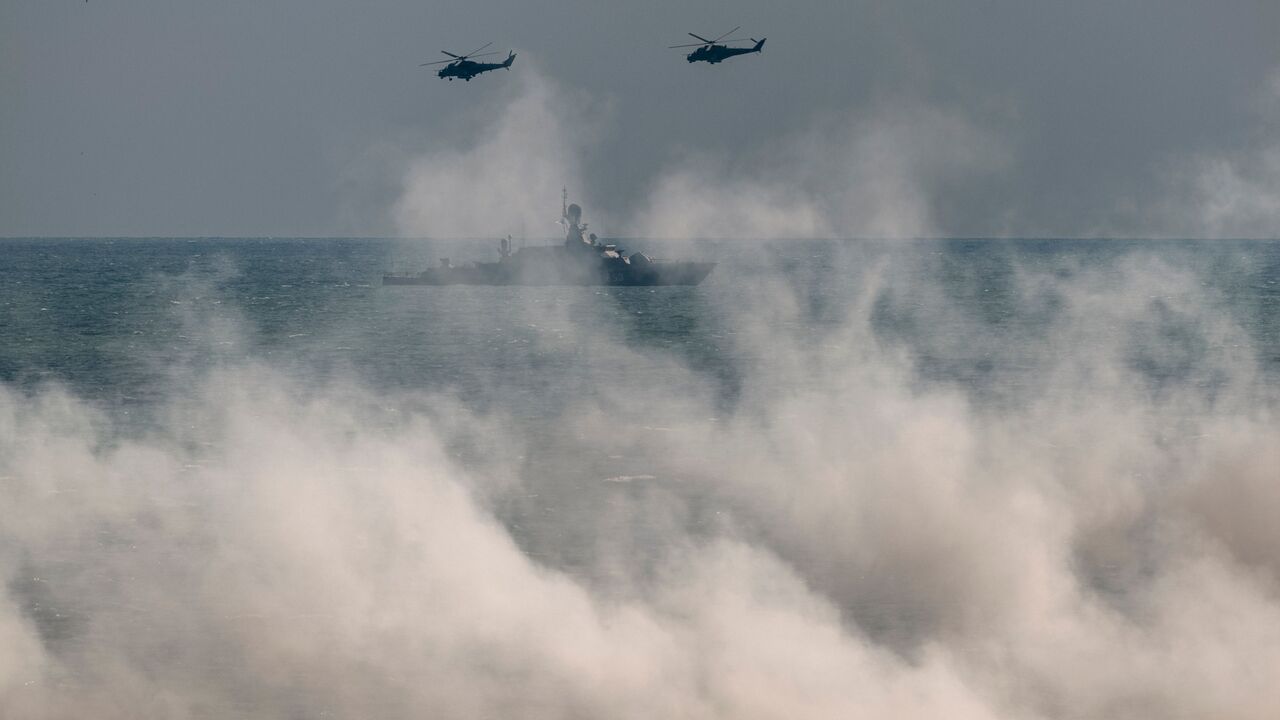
(171, 117)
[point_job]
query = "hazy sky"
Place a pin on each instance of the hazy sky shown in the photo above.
(171, 117)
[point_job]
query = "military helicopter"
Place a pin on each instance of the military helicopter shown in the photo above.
(462, 66)
(714, 51)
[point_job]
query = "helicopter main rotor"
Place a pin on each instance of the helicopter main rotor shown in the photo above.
(459, 58)
(705, 41)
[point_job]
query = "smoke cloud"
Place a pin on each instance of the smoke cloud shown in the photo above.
(877, 174)
(506, 173)
(857, 176)
(841, 533)
(846, 539)
(1233, 197)
(1222, 193)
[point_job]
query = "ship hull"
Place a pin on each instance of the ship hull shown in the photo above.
(581, 260)
(621, 275)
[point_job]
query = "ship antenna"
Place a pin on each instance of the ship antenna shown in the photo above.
(564, 203)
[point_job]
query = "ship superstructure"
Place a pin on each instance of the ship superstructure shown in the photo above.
(581, 260)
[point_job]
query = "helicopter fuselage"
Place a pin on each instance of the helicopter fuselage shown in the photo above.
(718, 53)
(467, 69)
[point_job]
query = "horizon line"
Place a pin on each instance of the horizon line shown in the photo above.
(851, 238)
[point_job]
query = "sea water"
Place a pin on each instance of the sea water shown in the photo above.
(610, 436)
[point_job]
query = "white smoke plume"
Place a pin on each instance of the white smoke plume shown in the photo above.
(506, 173)
(860, 176)
(863, 175)
(1232, 193)
(1235, 197)
(882, 546)
(847, 537)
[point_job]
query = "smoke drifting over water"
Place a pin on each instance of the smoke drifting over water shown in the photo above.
(507, 174)
(839, 524)
(878, 175)
(904, 168)
(844, 537)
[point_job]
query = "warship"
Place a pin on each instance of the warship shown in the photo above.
(581, 260)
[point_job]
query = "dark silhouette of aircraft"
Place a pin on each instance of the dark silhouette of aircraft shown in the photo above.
(462, 66)
(714, 51)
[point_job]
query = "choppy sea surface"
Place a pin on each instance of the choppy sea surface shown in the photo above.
(602, 432)
(110, 317)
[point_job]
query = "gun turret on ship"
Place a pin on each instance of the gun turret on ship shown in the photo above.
(581, 260)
